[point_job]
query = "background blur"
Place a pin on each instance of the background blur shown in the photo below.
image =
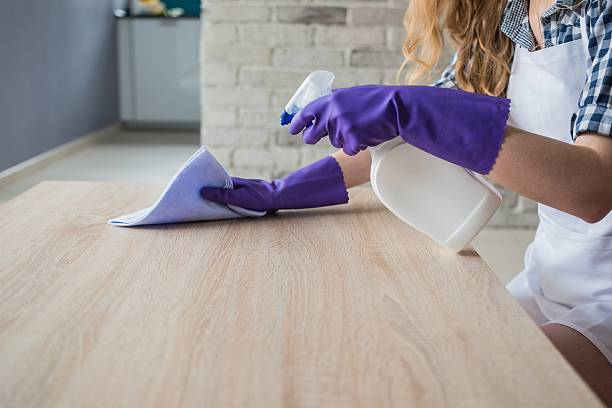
(126, 90)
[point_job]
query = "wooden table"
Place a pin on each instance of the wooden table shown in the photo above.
(343, 306)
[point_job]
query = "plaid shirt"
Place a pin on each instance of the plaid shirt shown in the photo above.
(561, 24)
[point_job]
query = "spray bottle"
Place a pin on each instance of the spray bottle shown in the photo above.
(445, 201)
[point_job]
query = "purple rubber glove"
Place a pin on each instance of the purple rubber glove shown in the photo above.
(463, 128)
(317, 185)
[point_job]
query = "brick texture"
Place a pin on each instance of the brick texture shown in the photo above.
(255, 53)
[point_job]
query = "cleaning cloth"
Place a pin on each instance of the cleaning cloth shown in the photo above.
(181, 200)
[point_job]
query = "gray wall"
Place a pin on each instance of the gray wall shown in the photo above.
(58, 76)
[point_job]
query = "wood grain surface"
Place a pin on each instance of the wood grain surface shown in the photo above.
(336, 307)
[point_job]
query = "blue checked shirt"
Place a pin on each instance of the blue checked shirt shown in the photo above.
(561, 24)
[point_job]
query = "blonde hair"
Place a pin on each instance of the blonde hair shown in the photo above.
(483, 51)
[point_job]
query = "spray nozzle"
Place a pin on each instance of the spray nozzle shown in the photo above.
(316, 85)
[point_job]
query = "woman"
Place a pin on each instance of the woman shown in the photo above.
(553, 60)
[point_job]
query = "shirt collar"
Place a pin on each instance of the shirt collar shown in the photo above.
(515, 23)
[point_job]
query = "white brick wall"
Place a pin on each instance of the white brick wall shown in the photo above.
(256, 52)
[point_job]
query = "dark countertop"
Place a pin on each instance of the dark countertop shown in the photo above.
(157, 17)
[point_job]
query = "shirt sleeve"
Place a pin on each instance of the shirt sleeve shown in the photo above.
(448, 79)
(594, 112)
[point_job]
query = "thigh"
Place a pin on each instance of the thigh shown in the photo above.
(586, 359)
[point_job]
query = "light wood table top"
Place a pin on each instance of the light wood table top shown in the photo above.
(344, 306)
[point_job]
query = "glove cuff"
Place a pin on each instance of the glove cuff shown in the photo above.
(319, 184)
(460, 127)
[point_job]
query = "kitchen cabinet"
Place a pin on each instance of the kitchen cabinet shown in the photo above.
(159, 71)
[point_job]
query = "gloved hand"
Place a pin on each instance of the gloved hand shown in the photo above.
(464, 128)
(319, 184)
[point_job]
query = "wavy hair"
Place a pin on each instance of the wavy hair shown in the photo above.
(484, 53)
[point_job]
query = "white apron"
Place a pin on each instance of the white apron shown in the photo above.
(568, 267)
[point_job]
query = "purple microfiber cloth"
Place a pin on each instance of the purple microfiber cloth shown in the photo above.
(181, 200)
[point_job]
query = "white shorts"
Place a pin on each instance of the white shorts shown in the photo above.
(593, 319)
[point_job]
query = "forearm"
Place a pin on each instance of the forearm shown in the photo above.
(356, 169)
(572, 178)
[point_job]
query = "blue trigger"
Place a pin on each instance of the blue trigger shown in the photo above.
(286, 118)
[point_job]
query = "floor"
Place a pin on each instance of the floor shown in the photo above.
(124, 156)
(153, 157)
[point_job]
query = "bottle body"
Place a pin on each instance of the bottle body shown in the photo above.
(440, 199)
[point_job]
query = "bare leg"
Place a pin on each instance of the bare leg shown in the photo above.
(586, 359)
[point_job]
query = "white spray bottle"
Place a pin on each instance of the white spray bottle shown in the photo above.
(445, 201)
